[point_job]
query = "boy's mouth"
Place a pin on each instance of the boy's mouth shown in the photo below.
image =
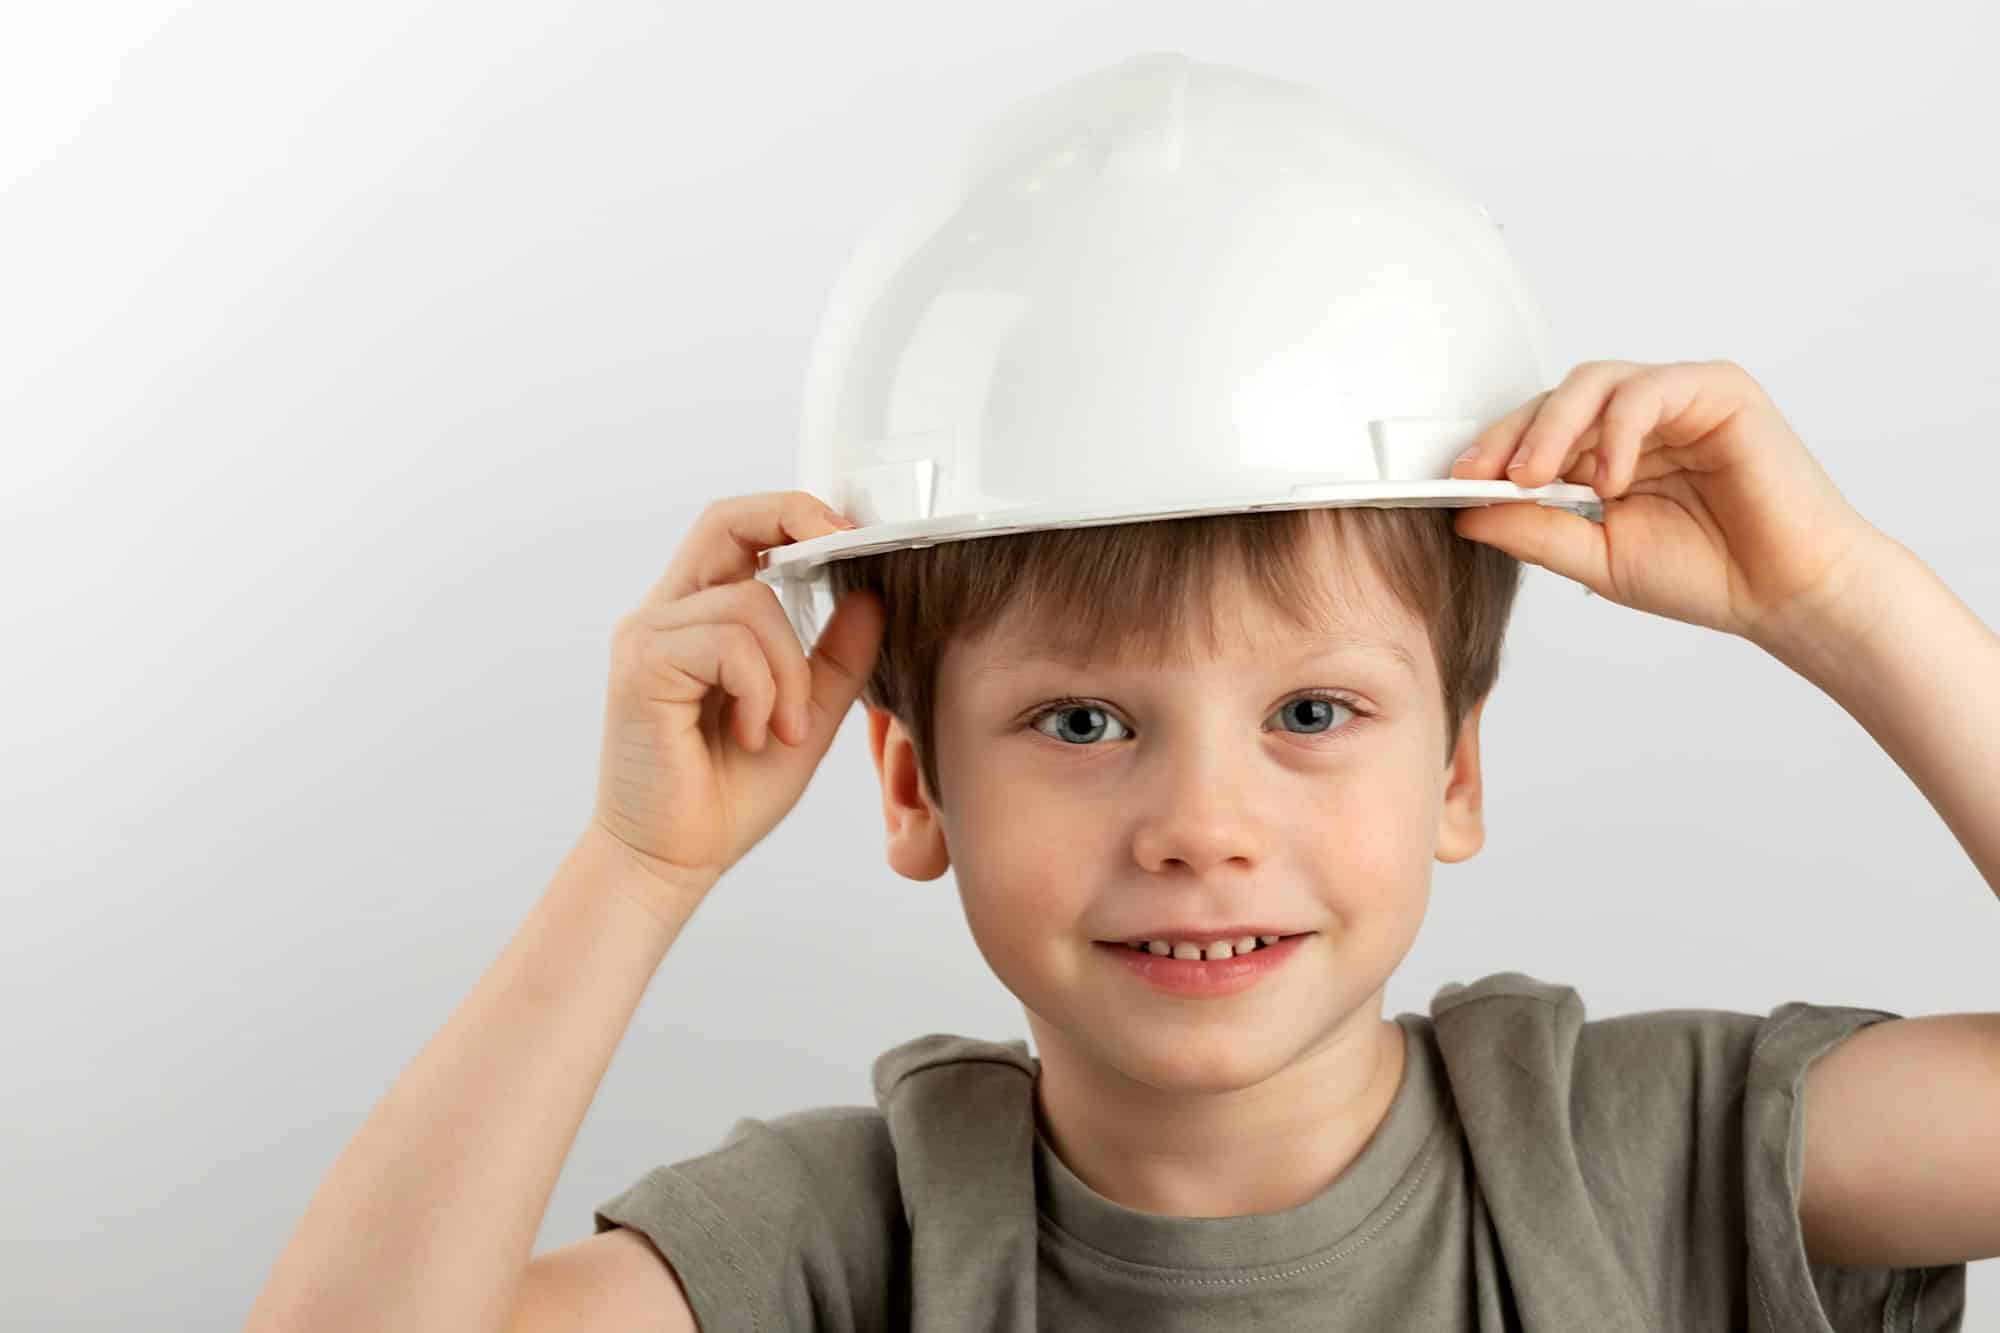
(1204, 946)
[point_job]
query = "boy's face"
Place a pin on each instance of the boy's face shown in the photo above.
(1201, 790)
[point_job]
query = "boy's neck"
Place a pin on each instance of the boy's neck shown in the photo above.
(1261, 1150)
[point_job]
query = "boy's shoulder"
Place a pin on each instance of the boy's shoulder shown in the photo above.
(1517, 986)
(950, 1062)
(1518, 1051)
(1478, 1015)
(1510, 1036)
(939, 1083)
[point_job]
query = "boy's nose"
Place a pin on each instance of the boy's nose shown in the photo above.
(1202, 816)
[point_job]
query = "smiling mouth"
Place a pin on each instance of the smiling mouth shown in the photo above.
(1145, 946)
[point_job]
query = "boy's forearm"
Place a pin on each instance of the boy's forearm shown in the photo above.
(428, 1218)
(1916, 668)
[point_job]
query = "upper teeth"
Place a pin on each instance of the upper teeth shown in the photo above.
(1186, 950)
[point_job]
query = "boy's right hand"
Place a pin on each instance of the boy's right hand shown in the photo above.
(703, 672)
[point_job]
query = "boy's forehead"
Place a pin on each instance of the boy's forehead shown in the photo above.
(1007, 652)
(1246, 628)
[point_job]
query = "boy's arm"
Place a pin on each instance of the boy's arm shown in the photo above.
(1901, 1165)
(1914, 666)
(428, 1218)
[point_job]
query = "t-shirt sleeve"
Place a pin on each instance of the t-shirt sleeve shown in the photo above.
(792, 1223)
(1701, 1113)
(1645, 1168)
(1870, 1297)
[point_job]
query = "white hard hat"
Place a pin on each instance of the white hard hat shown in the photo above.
(1162, 289)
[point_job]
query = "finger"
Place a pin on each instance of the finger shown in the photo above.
(1649, 464)
(1568, 544)
(841, 662)
(723, 544)
(717, 655)
(1592, 451)
(1554, 438)
(1487, 454)
(1626, 425)
(753, 604)
(1495, 447)
(1582, 469)
(1659, 420)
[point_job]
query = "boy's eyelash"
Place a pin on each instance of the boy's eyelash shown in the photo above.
(1346, 701)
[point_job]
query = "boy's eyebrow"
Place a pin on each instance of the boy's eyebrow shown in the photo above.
(1316, 645)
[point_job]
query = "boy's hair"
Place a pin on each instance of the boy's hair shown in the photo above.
(1109, 591)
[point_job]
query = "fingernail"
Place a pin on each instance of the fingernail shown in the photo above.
(839, 521)
(1467, 456)
(1520, 457)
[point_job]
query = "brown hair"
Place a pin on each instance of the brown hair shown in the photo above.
(1114, 589)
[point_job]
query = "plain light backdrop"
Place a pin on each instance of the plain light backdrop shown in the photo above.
(361, 364)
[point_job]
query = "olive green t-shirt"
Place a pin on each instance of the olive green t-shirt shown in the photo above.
(1535, 1171)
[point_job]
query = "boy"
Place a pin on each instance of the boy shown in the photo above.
(1206, 1140)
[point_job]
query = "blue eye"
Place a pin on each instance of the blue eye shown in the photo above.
(1315, 707)
(1084, 717)
(1079, 723)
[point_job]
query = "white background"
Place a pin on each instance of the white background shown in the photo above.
(361, 364)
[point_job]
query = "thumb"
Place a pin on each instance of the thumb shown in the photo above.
(841, 662)
(1557, 540)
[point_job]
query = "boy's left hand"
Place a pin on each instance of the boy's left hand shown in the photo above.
(1715, 513)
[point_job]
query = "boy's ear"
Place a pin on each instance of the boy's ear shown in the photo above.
(916, 839)
(1461, 818)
